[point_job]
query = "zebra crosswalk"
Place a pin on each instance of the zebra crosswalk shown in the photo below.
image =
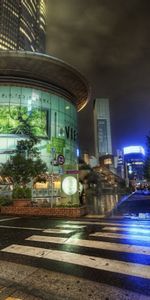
(83, 260)
(92, 248)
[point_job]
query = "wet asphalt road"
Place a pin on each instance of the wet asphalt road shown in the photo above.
(135, 203)
(115, 252)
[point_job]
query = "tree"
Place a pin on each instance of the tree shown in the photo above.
(22, 170)
(25, 165)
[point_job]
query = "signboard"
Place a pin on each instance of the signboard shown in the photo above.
(69, 185)
(133, 149)
(56, 143)
(72, 171)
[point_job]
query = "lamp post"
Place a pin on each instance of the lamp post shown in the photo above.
(52, 174)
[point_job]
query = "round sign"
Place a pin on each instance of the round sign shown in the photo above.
(60, 159)
(69, 185)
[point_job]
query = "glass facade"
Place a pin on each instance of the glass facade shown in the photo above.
(52, 118)
(22, 25)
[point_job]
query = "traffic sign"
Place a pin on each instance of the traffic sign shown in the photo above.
(60, 159)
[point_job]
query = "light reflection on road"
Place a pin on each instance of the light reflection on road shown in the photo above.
(101, 205)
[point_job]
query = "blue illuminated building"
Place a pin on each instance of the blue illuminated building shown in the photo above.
(134, 157)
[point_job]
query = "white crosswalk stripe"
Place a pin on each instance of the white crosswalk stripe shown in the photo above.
(139, 224)
(49, 230)
(71, 226)
(132, 230)
(9, 219)
(92, 244)
(55, 230)
(83, 260)
(123, 265)
(121, 236)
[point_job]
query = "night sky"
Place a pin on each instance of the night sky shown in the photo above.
(108, 41)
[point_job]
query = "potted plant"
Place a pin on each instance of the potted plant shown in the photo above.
(22, 196)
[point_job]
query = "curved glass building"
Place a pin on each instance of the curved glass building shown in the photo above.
(47, 93)
(22, 25)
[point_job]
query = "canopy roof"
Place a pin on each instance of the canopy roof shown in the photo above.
(50, 72)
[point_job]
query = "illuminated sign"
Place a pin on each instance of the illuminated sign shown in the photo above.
(69, 185)
(133, 149)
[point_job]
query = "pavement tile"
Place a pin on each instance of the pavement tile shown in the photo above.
(2, 288)
(14, 272)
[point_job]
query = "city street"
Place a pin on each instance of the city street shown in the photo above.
(135, 203)
(74, 259)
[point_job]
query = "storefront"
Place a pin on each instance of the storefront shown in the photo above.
(46, 93)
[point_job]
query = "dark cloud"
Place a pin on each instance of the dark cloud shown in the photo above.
(108, 41)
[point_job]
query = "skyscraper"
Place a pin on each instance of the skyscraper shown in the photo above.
(102, 132)
(22, 25)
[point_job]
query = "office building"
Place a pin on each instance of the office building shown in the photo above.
(102, 131)
(134, 157)
(22, 25)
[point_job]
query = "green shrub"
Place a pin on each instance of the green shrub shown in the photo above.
(5, 200)
(21, 193)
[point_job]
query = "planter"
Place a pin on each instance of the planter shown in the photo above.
(44, 211)
(22, 202)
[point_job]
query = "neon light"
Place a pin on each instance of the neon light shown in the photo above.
(78, 153)
(133, 149)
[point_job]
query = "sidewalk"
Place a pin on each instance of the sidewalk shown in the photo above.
(21, 282)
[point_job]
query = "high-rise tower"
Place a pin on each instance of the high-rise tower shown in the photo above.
(102, 132)
(22, 25)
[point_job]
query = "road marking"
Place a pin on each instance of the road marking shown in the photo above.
(139, 225)
(110, 265)
(132, 230)
(121, 236)
(24, 228)
(92, 244)
(48, 230)
(9, 219)
(55, 230)
(71, 226)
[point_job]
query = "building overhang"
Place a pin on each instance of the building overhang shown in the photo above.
(53, 73)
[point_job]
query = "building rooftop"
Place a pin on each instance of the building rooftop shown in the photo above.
(45, 71)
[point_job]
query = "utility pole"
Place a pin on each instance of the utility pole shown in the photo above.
(52, 175)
